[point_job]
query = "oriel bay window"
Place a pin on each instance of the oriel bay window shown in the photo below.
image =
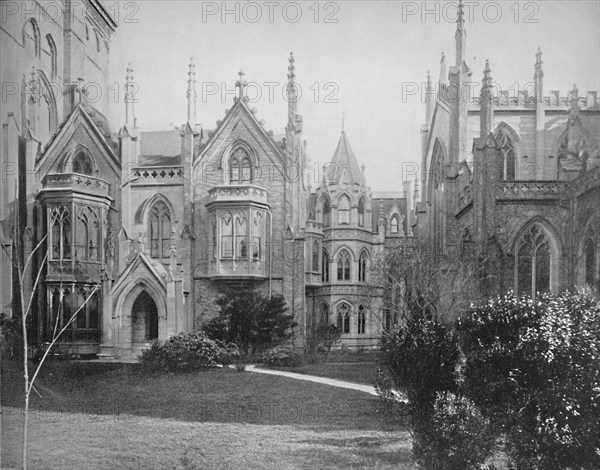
(77, 308)
(236, 236)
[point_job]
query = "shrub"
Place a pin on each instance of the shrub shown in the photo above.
(251, 320)
(534, 370)
(11, 336)
(420, 358)
(460, 439)
(282, 357)
(184, 352)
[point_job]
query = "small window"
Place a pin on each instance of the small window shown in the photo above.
(343, 318)
(362, 267)
(533, 262)
(343, 268)
(394, 225)
(344, 210)
(361, 212)
(326, 212)
(316, 251)
(325, 267)
(362, 320)
(82, 164)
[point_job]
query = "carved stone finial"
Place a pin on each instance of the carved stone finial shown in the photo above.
(241, 84)
(460, 17)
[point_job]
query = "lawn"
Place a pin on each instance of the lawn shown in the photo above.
(119, 418)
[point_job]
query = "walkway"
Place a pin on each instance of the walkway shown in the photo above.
(313, 378)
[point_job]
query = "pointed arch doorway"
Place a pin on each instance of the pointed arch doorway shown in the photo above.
(144, 317)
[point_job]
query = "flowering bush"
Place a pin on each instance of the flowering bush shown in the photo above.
(282, 357)
(533, 367)
(184, 352)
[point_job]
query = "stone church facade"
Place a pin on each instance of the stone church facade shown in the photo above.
(143, 229)
(516, 174)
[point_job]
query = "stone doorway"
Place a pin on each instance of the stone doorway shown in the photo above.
(144, 319)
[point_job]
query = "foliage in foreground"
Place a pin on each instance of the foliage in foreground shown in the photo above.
(534, 369)
(528, 375)
(282, 357)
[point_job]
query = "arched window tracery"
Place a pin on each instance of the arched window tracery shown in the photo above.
(160, 230)
(326, 212)
(343, 266)
(343, 318)
(343, 210)
(508, 163)
(240, 167)
(362, 320)
(533, 262)
(361, 212)
(362, 267)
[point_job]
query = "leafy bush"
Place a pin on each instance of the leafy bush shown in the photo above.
(320, 341)
(282, 357)
(251, 320)
(184, 352)
(534, 370)
(420, 359)
(460, 439)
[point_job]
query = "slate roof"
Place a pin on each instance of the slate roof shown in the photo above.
(160, 148)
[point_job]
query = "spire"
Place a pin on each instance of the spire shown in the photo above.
(429, 99)
(574, 100)
(538, 60)
(292, 95)
(443, 72)
(191, 94)
(129, 97)
(344, 161)
(241, 84)
(343, 121)
(486, 102)
(461, 35)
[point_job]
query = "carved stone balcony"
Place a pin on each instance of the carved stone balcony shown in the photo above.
(75, 182)
(238, 194)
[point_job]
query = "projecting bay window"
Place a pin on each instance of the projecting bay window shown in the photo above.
(239, 236)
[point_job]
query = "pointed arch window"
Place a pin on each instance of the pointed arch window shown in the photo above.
(53, 55)
(533, 262)
(82, 164)
(507, 154)
(362, 320)
(343, 266)
(590, 262)
(316, 252)
(326, 212)
(60, 233)
(87, 316)
(394, 225)
(240, 167)
(361, 212)
(343, 318)
(325, 267)
(160, 230)
(344, 210)
(362, 267)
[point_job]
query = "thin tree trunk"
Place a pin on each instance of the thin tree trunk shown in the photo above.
(26, 376)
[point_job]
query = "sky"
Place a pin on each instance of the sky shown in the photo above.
(361, 62)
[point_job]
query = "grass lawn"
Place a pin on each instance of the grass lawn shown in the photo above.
(216, 419)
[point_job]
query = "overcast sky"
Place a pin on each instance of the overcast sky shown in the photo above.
(360, 58)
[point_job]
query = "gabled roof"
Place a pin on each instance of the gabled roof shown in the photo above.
(344, 162)
(234, 112)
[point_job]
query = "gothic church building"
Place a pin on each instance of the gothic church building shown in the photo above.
(140, 230)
